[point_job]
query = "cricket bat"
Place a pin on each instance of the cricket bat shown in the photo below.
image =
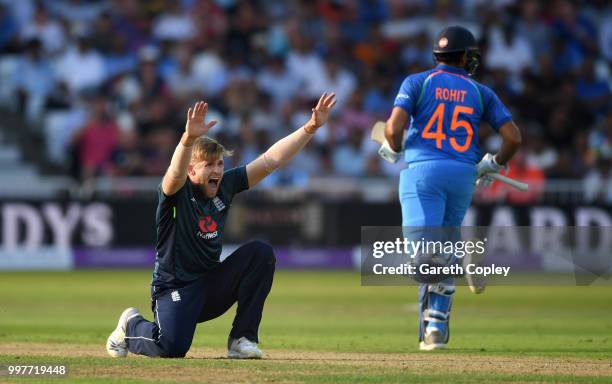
(378, 135)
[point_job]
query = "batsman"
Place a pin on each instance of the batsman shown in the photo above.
(190, 283)
(435, 121)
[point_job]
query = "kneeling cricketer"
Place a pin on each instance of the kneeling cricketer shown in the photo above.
(190, 284)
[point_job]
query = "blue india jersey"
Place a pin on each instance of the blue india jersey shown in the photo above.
(446, 107)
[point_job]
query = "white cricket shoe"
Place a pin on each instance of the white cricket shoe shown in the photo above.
(243, 348)
(115, 344)
(434, 339)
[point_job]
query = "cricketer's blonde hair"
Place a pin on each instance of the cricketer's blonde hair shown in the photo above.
(209, 149)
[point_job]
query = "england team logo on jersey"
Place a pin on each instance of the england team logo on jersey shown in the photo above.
(218, 204)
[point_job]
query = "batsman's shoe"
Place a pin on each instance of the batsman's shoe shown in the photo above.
(115, 344)
(476, 282)
(243, 348)
(434, 339)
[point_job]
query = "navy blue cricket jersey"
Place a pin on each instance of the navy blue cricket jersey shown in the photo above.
(190, 229)
(447, 106)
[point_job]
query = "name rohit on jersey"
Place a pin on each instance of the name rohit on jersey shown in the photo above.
(446, 94)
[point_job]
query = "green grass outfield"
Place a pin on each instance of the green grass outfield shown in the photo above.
(317, 327)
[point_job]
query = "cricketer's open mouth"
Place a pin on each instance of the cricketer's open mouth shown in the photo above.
(213, 182)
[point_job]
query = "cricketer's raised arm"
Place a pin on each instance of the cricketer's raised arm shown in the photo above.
(283, 150)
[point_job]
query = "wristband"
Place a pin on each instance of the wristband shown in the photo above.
(307, 132)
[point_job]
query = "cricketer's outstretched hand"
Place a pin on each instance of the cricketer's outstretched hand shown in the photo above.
(320, 112)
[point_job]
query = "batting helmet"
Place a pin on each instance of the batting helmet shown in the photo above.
(457, 40)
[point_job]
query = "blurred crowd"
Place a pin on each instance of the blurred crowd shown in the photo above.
(108, 82)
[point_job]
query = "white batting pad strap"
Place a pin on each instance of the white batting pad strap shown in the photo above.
(431, 320)
(435, 316)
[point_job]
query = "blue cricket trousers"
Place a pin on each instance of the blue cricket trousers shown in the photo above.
(244, 277)
(435, 194)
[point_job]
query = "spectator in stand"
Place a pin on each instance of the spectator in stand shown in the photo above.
(600, 139)
(530, 27)
(303, 62)
(118, 60)
(347, 158)
(9, 31)
(45, 29)
(256, 63)
(354, 117)
(79, 13)
(81, 67)
(210, 69)
(96, 141)
(605, 37)
(538, 152)
(173, 23)
(597, 184)
(574, 28)
(182, 80)
(567, 117)
(417, 50)
(336, 77)
(131, 23)
(505, 42)
(379, 96)
(275, 79)
(127, 158)
(566, 57)
(244, 25)
(34, 81)
(593, 92)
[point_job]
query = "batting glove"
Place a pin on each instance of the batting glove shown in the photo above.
(484, 181)
(387, 153)
(488, 165)
(485, 166)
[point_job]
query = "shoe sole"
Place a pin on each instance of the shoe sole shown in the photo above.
(430, 347)
(234, 355)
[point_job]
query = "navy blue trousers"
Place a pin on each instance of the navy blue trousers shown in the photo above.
(244, 277)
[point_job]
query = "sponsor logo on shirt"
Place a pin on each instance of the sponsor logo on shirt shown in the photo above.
(208, 228)
(402, 96)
